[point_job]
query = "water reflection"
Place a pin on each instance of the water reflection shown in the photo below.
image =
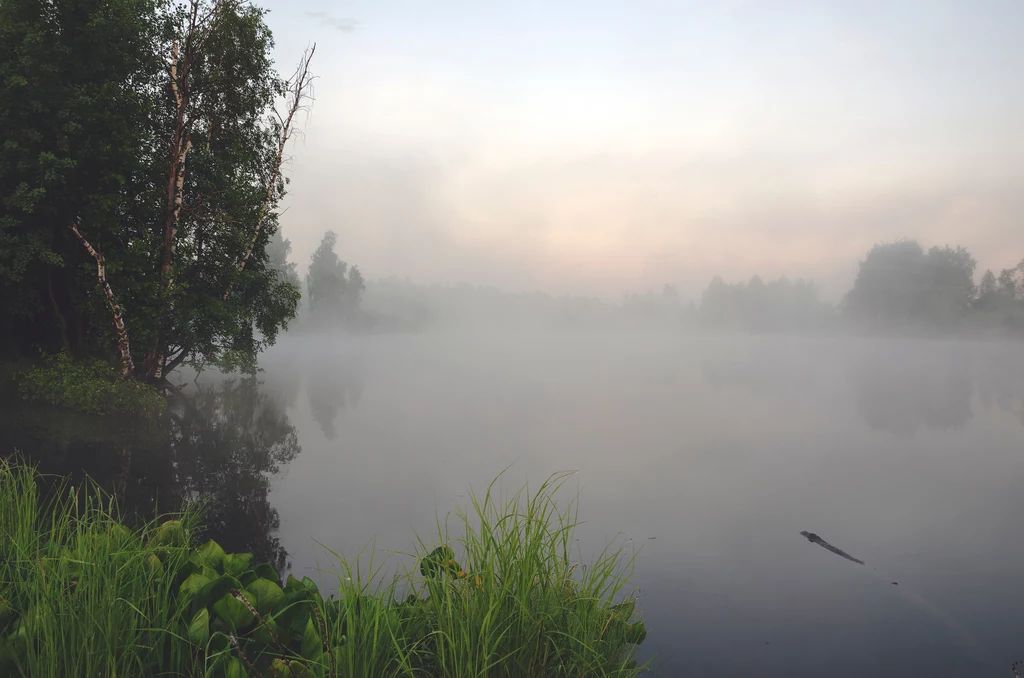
(227, 441)
(222, 442)
(903, 398)
(897, 388)
(332, 389)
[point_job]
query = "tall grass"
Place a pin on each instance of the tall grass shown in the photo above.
(81, 594)
(499, 595)
(503, 595)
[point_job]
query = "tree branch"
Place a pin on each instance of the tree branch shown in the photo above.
(127, 365)
(300, 91)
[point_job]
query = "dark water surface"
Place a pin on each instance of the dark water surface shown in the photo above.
(712, 454)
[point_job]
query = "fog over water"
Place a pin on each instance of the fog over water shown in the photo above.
(712, 453)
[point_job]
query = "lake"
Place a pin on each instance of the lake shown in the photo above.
(711, 453)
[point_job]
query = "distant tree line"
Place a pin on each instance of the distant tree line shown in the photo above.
(757, 306)
(901, 287)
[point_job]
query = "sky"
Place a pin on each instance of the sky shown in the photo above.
(602, 147)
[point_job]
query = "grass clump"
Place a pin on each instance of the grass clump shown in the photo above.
(82, 595)
(93, 387)
(502, 596)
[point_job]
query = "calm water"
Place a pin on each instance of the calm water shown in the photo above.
(712, 454)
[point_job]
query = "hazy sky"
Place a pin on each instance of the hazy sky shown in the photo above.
(598, 147)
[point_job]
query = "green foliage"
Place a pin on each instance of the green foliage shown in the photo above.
(93, 387)
(79, 591)
(79, 595)
(86, 118)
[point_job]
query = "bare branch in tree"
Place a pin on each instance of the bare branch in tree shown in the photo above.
(300, 88)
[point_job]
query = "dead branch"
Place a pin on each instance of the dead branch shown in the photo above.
(300, 91)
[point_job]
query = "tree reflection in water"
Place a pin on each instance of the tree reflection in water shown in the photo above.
(222, 443)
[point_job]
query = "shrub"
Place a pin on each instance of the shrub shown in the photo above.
(93, 387)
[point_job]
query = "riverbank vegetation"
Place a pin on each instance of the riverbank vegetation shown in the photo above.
(82, 593)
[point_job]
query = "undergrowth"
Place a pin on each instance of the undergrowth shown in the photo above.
(93, 387)
(501, 595)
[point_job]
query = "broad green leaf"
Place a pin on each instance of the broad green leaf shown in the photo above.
(199, 628)
(235, 669)
(156, 568)
(184, 571)
(233, 612)
(267, 593)
(192, 585)
(310, 585)
(264, 628)
(293, 610)
(213, 554)
(266, 571)
(236, 563)
(170, 533)
(216, 589)
(310, 646)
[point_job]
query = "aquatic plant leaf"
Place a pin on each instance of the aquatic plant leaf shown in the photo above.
(636, 633)
(293, 584)
(234, 612)
(199, 628)
(292, 612)
(265, 627)
(216, 589)
(192, 585)
(156, 567)
(213, 555)
(183, 572)
(267, 571)
(267, 594)
(235, 669)
(624, 610)
(236, 563)
(169, 533)
(310, 586)
(311, 646)
(120, 535)
(440, 560)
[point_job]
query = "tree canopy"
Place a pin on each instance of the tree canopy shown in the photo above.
(140, 174)
(900, 285)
